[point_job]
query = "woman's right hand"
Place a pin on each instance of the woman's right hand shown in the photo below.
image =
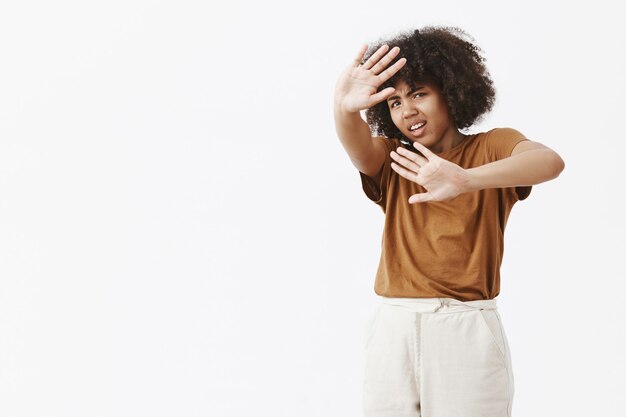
(356, 88)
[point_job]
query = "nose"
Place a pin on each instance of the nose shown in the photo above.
(409, 111)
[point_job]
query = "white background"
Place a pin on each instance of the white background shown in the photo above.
(182, 234)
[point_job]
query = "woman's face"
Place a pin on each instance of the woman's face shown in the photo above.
(423, 105)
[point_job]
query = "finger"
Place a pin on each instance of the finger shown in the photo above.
(389, 72)
(380, 96)
(423, 149)
(415, 158)
(405, 162)
(359, 56)
(382, 64)
(419, 198)
(409, 175)
(375, 57)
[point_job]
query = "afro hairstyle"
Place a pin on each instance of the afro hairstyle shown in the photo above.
(447, 57)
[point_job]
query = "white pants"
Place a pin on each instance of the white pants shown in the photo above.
(437, 357)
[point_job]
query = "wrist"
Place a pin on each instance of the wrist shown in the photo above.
(472, 181)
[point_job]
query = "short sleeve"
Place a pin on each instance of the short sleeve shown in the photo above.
(500, 143)
(377, 192)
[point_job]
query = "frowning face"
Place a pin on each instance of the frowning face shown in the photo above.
(422, 115)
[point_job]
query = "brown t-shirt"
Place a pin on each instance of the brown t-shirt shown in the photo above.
(449, 248)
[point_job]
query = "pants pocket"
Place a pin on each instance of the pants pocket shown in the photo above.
(490, 320)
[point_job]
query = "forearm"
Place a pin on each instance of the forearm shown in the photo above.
(525, 168)
(354, 134)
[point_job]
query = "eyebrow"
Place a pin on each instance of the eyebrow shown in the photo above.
(412, 90)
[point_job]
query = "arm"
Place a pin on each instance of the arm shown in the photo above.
(356, 90)
(530, 163)
(366, 154)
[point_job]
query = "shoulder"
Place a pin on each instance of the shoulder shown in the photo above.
(505, 132)
(389, 143)
(499, 142)
(384, 145)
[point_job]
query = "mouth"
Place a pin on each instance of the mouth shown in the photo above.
(417, 129)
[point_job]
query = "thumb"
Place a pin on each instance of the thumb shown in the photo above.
(419, 198)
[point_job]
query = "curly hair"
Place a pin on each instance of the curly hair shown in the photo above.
(446, 57)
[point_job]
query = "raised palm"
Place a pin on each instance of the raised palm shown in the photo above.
(358, 84)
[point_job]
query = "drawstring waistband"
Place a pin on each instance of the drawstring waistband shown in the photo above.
(432, 305)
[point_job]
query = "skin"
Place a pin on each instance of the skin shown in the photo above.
(428, 104)
(357, 88)
(443, 179)
(530, 163)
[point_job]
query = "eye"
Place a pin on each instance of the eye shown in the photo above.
(419, 94)
(393, 104)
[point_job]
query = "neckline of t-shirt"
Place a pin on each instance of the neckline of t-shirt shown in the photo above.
(459, 145)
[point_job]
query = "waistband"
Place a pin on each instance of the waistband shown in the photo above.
(432, 305)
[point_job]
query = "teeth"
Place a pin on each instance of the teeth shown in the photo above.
(417, 126)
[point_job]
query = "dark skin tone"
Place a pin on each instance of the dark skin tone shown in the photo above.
(358, 90)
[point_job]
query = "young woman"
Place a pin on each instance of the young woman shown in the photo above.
(435, 345)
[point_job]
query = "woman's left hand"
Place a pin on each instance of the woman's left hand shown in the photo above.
(441, 178)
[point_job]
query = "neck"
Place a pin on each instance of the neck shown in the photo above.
(449, 140)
